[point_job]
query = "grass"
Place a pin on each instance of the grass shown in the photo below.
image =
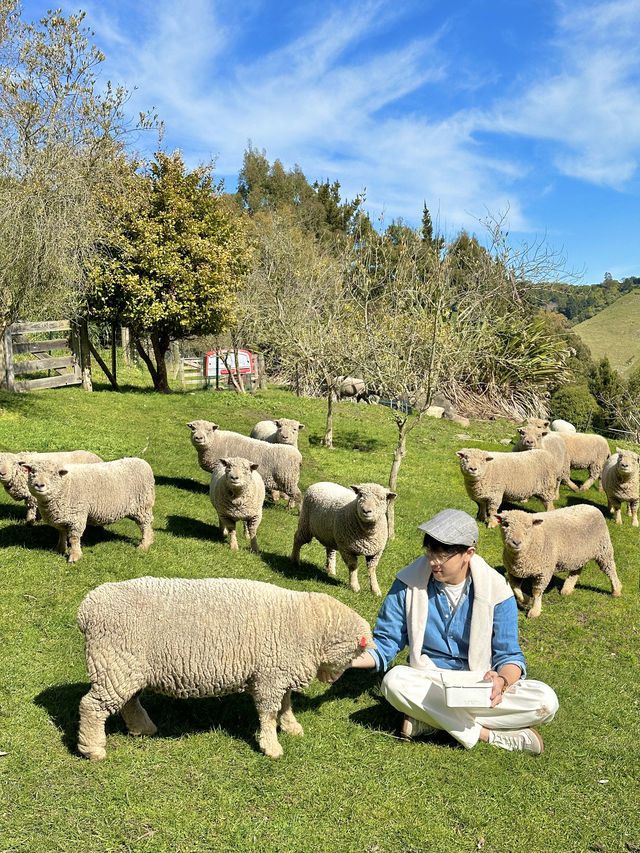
(614, 333)
(348, 784)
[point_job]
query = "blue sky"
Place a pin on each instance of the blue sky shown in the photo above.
(478, 107)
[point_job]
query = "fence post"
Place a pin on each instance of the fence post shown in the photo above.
(8, 359)
(85, 355)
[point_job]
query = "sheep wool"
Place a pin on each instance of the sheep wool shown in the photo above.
(280, 431)
(620, 482)
(72, 496)
(352, 524)
(536, 545)
(208, 637)
(279, 463)
(14, 478)
(491, 477)
(587, 450)
(535, 436)
(237, 494)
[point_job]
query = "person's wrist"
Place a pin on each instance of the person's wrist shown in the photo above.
(505, 683)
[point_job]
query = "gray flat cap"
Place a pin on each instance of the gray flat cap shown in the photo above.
(452, 527)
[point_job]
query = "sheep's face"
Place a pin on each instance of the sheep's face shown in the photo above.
(473, 462)
(627, 463)
(238, 472)
(202, 432)
(8, 465)
(371, 502)
(531, 436)
(538, 423)
(342, 644)
(516, 528)
(44, 479)
(287, 431)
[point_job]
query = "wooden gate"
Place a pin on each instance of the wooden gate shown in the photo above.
(58, 356)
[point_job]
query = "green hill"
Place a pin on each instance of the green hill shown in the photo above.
(615, 332)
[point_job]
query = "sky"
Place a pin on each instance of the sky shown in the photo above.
(526, 111)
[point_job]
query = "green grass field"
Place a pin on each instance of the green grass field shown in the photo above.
(349, 784)
(614, 332)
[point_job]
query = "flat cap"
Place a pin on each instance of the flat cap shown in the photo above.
(452, 527)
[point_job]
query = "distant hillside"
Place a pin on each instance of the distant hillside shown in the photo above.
(615, 332)
(579, 302)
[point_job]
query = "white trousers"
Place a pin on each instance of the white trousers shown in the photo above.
(420, 694)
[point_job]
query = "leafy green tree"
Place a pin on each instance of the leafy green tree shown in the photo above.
(176, 264)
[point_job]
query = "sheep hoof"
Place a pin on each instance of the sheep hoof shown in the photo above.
(74, 557)
(274, 751)
(293, 728)
(616, 593)
(533, 614)
(93, 754)
(634, 523)
(492, 523)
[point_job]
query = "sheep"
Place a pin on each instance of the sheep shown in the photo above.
(562, 426)
(279, 463)
(281, 431)
(72, 496)
(491, 477)
(208, 637)
(620, 482)
(14, 478)
(538, 544)
(535, 436)
(237, 494)
(350, 387)
(587, 450)
(341, 522)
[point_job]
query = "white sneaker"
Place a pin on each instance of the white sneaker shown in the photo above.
(411, 728)
(517, 740)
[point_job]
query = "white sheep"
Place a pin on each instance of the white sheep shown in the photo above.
(354, 525)
(279, 463)
(535, 436)
(72, 496)
(558, 425)
(14, 478)
(280, 431)
(587, 450)
(350, 387)
(237, 494)
(491, 477)
(208, 637)
(620, 482)
(538, 544)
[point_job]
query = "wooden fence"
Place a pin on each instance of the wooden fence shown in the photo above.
(59, 356)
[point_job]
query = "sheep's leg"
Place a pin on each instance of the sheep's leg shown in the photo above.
(61, 546)
(516, 585)
(136, 718)
(230, 525)
(607, 563)
(569, 482)
(295, 498)
(247, 532)
(372, 564)
(593, 476)
(288, 722)
(548, 503)
(32, 511)
(618, 513)
(91, 736)
(268, 701)
(556, 496)
(570, 583)
(251, 526)
(632, 510)
(275, 494)
(330, 562)
(352, 564)
(481, 515)
(492, 509)
(75, 534)
(144, 522)
(299, 540)
(539, 586)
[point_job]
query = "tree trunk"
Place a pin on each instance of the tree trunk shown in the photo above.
(145, 357)
(85, 355)
(398, 455)
(328, 433)
(160, 344)
(114, 362)
(94, 352)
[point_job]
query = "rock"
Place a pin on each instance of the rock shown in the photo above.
(435, 411)
(505, 441)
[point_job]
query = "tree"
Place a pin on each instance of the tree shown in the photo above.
(177, 261)
(60, 138)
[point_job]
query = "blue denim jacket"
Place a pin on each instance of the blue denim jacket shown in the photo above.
(446, 638)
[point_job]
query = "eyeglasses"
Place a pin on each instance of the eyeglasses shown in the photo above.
(439, 559)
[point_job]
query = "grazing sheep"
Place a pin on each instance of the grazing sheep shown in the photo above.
(587, 450)
(279, 463)
(350, 387)
(72, 496)
(620, 482)
(491, 477)
(562, 426)
(538, 544)
(282, 431)
(237, 494)
(14, 478)
(341, 522)
(533, 436)
(208, 637)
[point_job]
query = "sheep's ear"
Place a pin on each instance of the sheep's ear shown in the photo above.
(278, 423)
(63, 471)
(536, 521)
(254, 466)
(488, 458)
(224, 462)
(546, 424)
(498, 518)
(521, 430)
(356, 489)
(25, 466)
(192, 426)
(391, 495)
(618, 450)
(461, 455)
(213, 427)
(300, 426)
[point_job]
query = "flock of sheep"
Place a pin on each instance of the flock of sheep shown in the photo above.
(207, 637)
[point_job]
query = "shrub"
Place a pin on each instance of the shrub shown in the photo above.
(576, 404)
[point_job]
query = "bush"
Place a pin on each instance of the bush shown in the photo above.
(576, 404)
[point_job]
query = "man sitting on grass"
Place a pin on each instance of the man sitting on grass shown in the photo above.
(456, 613)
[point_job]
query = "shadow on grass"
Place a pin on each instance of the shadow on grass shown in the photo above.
(234, 714)
(555, 585)
(351, 440)
(185, 483)
(576, 500)
(381, 717)
(41, 536)
(190, 528)
(304, 572)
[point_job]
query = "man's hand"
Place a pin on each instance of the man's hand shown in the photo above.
(328, 676)
(499, 683)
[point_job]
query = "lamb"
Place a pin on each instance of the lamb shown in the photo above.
(279, 463)
(280, 431)
(237, 494)
(562, 426)
(341, 522)
(491, 477)
(538, 544)
(587, 450)
(71, 496)
(620, 482)
(535, 436)
(208, 637)
(14, 478)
